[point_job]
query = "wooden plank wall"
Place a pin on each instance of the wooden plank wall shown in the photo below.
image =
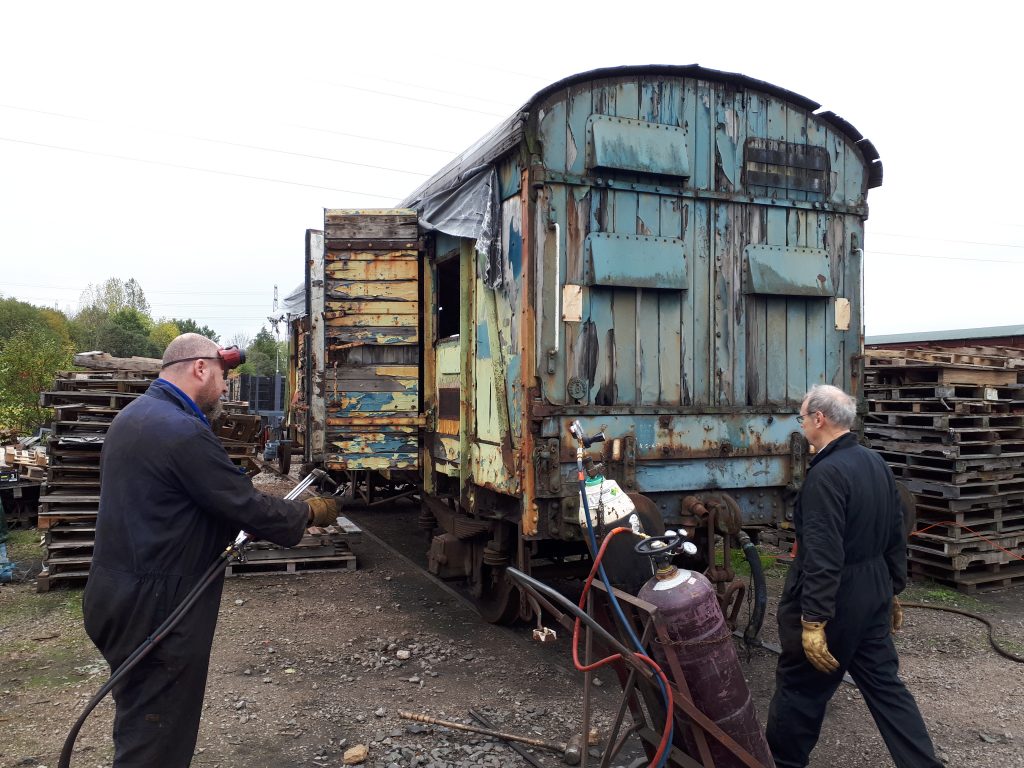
(710, 345)
(372, 334)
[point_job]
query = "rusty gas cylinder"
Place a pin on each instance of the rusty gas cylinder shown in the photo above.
(700, 640)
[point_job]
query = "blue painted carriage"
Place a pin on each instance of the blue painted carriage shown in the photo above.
(672, 255)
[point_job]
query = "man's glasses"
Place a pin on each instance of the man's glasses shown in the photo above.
(802, 416)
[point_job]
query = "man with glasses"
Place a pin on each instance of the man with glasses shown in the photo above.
(839, 608)
(170, 502)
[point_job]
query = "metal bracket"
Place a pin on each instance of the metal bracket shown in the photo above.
(547, 467)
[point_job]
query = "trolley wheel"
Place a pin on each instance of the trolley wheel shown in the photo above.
(499, 601)
(284, 457)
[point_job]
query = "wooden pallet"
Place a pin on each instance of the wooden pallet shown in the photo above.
(341, 559)
(960, 555)
(888, 374)
(945, 545)
(946, 407)
(969, 490)
(959, 356)
(980, 578)
(947, 392)
(45, 581)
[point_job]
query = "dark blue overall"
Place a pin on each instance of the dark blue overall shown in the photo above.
(170, 502)
(851, 560)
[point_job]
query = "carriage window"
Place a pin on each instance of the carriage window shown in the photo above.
(449, 291)
(784, 165)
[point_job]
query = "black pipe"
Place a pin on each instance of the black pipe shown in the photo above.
(751, 635)
(215, 570)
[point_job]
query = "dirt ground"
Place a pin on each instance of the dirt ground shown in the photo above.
(306, 666)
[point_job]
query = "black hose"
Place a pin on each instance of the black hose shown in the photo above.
(215, 570)
(991, 630)
(752, 632)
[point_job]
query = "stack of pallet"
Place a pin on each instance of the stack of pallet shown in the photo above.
(84, 403)
(950, 424)
(239, 433)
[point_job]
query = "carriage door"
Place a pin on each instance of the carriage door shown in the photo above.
(371, 331)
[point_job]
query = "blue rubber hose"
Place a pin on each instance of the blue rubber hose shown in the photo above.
(618, 609)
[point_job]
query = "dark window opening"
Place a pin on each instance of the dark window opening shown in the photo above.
(448, 298)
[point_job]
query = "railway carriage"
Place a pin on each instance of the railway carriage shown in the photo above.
(669, 254)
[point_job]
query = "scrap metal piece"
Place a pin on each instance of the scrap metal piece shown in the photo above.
(571, 751)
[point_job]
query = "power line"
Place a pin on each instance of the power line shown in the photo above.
(191, 293)
(418, 101)
(196, 168)
(434, 90)
(947, 240)
(371, 138)
(222, 142)
(944, 258)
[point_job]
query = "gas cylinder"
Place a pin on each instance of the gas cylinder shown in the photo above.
(609, 505)
(701, 641)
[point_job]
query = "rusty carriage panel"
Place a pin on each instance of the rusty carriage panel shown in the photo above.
(371, 321)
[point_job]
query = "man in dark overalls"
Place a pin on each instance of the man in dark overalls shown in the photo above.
(170, 502)
(838, 608)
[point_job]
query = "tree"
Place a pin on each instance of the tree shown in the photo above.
(28, 361)
(15, 315)
(126, 333)
(114, 294)
(162, 334)
(261, 355)
(241, 340)
(191, 326)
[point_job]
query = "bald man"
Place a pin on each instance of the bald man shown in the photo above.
(170, 502)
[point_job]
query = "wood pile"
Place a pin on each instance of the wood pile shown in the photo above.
(85, 404)
(950, 424)
(30, 463)
(239, 433)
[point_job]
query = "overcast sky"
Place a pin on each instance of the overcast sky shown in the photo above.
(190, 145)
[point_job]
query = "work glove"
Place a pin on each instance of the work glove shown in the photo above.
(897, 614)
(323, 511)
(816, 646)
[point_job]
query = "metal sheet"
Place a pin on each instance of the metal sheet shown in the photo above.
(621, 143)
(784, 270)
(636, 261)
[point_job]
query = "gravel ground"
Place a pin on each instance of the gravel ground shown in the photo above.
(308, 666)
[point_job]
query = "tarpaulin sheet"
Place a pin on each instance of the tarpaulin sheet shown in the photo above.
(470, 209)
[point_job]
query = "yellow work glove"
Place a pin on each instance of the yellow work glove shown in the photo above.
(816, 646)
(897, 614)
(323, 511)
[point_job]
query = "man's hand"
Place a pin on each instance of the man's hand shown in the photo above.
(897, 614)
(816, 647)
(323, 510)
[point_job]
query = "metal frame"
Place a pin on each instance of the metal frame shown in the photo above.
(640, 693)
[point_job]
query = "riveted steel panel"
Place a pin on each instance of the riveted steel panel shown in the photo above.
(621, 143)
(635, 261)
(787, 271)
